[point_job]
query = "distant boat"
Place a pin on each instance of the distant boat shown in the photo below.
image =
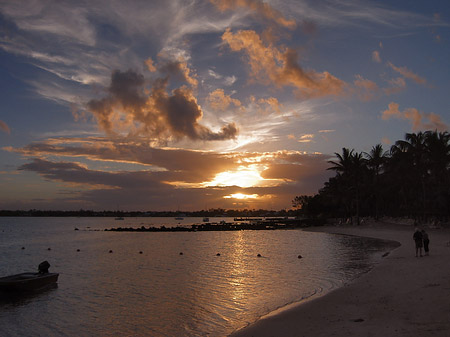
(179, 218)
(205, 219)
(29, 281)
(119, 218)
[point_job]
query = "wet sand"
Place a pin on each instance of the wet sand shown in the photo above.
(401, 296)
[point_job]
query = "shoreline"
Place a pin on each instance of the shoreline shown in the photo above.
(400, 296)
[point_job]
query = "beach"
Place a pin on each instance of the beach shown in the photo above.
(403, 295)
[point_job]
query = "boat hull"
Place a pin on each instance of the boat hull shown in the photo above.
(28, 281)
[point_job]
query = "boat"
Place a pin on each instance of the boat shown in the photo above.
(29, 281)
(205, 219)
(119, 218)
(179, 218)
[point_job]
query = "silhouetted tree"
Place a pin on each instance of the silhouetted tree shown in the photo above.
(412, 179)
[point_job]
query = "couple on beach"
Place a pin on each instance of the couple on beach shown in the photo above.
(421, 239)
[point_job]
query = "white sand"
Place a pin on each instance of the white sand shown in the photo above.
(402, 296)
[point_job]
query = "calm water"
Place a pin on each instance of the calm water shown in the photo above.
(160, 292)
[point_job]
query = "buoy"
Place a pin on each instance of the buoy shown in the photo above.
(23, 247)
(181, 253)
(110, 251)
(218, 254)
(49, 248)
(259, 255)
(78, 250)
(300, 256)
(140, 252)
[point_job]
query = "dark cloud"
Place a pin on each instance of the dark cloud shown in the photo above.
(177, 176)
(177, 164)
(131, 107)
(71, 172)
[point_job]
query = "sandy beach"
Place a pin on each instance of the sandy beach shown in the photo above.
(401, 296)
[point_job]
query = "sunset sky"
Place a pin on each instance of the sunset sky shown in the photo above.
(196, 104)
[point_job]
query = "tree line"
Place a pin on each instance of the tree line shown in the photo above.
(411, 179)
(213, 212)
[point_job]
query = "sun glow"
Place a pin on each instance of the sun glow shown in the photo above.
(241, 196)
(242, 177)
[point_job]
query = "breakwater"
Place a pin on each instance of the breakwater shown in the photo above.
(266, 224)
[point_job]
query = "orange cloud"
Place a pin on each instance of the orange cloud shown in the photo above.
(260, 7)
(150, 65)
(272, 103)
(397, 84)
(419, 120)
(307, 138)
(266, 105)
(386, 141)
(218, 100)
(4, 127)
(270, 65)
(408, 74)
(376, 56)
(179, 69)
(155, 113)
(365, 88)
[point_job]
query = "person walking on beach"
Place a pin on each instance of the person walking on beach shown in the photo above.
(418, 239)
(426, 241)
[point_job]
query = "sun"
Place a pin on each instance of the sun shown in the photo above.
(241, 196)
(242, 177)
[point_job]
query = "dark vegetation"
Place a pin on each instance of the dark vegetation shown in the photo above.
(216, 212)
(411, 180)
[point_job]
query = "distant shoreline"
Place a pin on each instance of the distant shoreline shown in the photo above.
(214, 213)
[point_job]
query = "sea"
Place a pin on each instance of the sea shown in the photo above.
(167, 283)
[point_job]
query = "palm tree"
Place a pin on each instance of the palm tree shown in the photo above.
(350, 167)
(413, 154)
(344, 163)
(438, 169)
(376, 159)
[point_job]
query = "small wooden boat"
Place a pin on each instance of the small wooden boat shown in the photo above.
(27, 281)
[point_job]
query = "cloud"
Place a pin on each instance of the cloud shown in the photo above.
(176, 175)
(150, 65)
(266, 105)
(179, 69)
(366, 89)
(408, 74)
(218, 100)
(262, 8)
(230, 80)
(307, 138)
(419, 120)
(376, 56)
(4, 127)
(397, 85)
(386, 141)
(227, 80)
(154, 113)
(270, 65)
(358, 14)
(215, 75)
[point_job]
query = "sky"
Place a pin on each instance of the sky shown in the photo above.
(199, 104)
